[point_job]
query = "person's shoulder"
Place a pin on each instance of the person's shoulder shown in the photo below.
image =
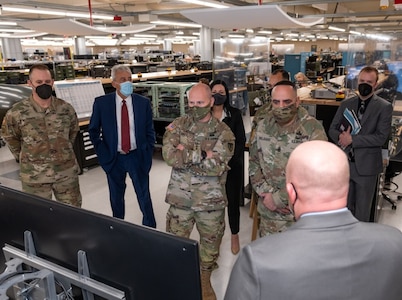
(234, 111)
(381, 232)
(382, 101)
(220, 126)
(138, 97)
(179, 123)
(106, 96)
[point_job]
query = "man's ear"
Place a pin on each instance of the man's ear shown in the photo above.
(291, 193)
(212, 101)
(297, 101)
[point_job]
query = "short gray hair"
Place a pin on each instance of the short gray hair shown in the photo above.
(118, 68)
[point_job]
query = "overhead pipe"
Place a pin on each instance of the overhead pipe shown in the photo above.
(90, 12)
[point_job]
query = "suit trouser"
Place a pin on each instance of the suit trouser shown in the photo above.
(361, 193)
(130, 163)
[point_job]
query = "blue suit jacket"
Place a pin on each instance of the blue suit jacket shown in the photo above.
(103, 130)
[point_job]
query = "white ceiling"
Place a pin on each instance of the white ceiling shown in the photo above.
(363, 16)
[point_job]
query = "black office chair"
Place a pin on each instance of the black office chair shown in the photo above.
(394, 167)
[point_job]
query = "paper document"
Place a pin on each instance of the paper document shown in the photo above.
(350, 119)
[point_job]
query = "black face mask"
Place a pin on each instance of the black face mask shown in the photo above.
(365, 89)
(44, 91)
(219, 99)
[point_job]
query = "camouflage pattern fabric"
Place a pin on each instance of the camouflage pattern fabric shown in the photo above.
(66, 190)
(270, 149)
(259, 115)
(195, 183)
(210, 225)
(42, 139)
(196, 191)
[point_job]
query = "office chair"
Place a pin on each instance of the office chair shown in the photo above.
(394, 167)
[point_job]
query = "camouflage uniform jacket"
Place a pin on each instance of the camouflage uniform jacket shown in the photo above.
(196, 183)
(42, 139)
(270, 150)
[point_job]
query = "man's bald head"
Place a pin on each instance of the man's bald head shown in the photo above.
(318, 172)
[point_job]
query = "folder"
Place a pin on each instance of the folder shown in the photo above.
(349, 119)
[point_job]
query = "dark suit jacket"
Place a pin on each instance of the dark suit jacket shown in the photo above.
(332, 256)
(376, 127)
(103, 130)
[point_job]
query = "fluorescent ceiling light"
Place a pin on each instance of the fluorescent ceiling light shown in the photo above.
(336, 28)
(265, 32)
(174, 23)
(8, 23)
(17, 30)
(186, 37)
(136, 38)
(355, 32)
(145, 35)
(104, 42)
(98, 37)
(206, 3)
(236, 36)
(54, 12)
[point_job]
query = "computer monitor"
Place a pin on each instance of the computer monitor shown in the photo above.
(142, 262)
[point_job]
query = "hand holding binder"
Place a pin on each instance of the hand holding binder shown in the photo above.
(349, 120)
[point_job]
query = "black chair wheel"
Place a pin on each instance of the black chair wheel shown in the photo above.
(399, 197)
(393, 207)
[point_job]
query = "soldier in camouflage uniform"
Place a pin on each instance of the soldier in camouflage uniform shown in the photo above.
(198, 147)
(285, 126)
(276, 76)
(40, 132)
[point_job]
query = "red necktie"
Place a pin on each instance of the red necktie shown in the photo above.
(125, 129)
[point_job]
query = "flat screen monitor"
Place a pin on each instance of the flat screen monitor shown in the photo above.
(142, 262)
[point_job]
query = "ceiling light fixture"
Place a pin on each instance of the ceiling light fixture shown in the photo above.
(8, 23)
(174, 23)
(145, 35)
(336, 28)
(265, 32)
(212, 4)
(54, 12)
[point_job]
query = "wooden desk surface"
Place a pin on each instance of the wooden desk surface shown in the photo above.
(329, 102)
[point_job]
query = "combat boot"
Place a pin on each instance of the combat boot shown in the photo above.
(207, 290)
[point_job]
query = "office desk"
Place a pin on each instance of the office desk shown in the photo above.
(323, 110)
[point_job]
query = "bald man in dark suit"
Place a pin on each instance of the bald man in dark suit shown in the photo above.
(327, 253)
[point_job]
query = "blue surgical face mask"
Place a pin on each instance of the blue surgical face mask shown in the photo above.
(126, 88)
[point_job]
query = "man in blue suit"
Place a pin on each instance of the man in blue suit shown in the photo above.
(105, 131)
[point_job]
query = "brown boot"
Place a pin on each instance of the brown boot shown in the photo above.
(235, 244)
(207, 290)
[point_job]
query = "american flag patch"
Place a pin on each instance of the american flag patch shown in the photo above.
(170, 127)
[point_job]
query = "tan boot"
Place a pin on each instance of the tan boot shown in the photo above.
(207, 290)
(235, 244)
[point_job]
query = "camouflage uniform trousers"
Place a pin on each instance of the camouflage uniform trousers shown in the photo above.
(66, 191)
(271, 222)
(210, 225)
